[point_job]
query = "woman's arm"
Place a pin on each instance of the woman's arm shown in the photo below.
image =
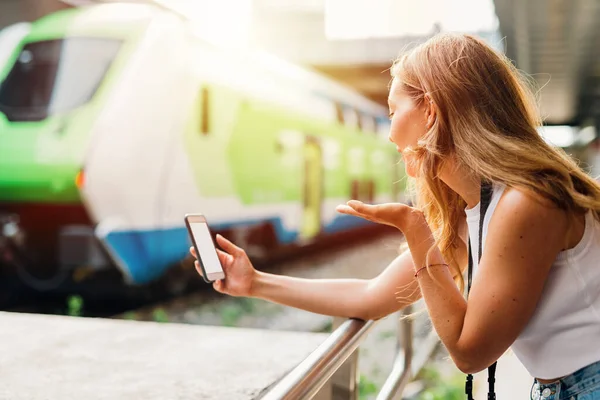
(393, 289)
(524, 237)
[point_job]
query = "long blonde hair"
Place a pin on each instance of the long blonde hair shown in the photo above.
(486, 118)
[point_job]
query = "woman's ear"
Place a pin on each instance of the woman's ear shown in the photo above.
(430, 111)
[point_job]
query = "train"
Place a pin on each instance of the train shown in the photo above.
(117, 119)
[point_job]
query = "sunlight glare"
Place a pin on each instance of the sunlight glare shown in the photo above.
(226, 23)
(363, 19)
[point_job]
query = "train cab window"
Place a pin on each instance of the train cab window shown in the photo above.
(204, 110)
(54, 76)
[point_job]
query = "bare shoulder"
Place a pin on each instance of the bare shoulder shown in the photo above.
(521, 201)
(530, 215)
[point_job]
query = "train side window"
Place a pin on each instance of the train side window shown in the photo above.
(359, 120)
(370, 191)
(355, 190)
(351, 118)
(368, 123)
(383, 127)
(339, 111)
(204, 110)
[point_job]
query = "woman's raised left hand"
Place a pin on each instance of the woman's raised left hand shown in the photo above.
(398, 215)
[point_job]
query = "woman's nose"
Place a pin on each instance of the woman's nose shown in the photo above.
(390, 138)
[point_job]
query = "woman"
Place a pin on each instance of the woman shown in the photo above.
(461, 115)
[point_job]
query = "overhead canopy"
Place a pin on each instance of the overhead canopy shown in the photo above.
(558, 43)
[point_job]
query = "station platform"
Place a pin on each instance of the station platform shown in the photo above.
(59, 357)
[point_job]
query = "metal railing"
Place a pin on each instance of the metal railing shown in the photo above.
(401, 371)
(304, 381)
(309, 377)
(407, 364)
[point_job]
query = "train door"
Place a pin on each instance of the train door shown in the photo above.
(313, 189)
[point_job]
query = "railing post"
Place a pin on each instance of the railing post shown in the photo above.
(325, 393)
(344, 382)
(406, 333)
(401, 371)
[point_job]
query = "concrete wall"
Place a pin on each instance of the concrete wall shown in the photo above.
(54, 357)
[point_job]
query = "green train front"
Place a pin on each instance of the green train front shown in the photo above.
(116, 120)
(55, 76)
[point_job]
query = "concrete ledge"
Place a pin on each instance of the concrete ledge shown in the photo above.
(55, 357)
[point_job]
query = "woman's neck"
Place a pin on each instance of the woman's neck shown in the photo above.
(462, 181)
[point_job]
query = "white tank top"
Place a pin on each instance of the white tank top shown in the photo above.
(563, 334)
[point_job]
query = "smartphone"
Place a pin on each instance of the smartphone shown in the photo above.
(205, 247)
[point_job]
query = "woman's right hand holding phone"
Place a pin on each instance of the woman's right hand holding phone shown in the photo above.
(239, 272)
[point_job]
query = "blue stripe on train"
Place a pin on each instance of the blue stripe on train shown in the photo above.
(146, 254)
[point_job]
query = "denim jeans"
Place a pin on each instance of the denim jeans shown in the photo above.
(583, 384)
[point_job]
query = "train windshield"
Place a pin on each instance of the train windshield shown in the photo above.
(54, 76)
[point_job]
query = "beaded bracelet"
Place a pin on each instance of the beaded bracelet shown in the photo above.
(432, 265)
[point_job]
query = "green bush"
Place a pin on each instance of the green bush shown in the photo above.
(230, 314)
(366, 388)
(160, 315)
(441, 388)
(130, 315)
(75, 306)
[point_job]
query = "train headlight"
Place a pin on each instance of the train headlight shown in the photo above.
(80, 179)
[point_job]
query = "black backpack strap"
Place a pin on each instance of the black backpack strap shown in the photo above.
(492, 381)
(484, 203)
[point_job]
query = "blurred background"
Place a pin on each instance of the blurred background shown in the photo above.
(117, 118)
